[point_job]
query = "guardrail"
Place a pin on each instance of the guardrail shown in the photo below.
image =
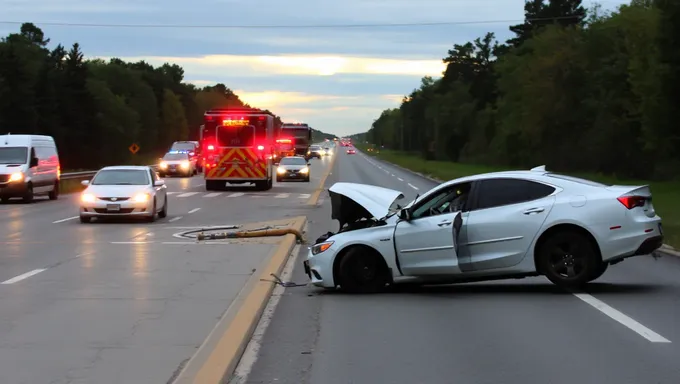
(85, 174)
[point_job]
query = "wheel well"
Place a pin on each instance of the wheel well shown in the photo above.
(565, 228)
(365, 248)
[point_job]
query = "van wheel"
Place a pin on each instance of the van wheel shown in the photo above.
(568, 259)
(28, 196)
(54, 193)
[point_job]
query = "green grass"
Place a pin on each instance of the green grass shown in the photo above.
(71, 186)
(666, 194)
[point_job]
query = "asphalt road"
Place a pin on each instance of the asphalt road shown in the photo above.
(624, 330)
(125, 301)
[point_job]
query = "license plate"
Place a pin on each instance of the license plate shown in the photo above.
(660, 229)
(113, 207)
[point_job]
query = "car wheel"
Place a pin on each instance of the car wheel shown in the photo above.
(599, 271)
(152, 218)
(85, 219)
(568, 259)
(28, 195)
(54, 193)
(362, 272)
(164, 212)
(4, 199)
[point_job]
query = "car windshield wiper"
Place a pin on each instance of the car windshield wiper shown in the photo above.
(123, 184)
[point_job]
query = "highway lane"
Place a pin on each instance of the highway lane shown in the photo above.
(124, 301)
(516, 331)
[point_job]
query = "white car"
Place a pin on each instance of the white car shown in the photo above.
(484, 227)
(124, 191)
(177, 163)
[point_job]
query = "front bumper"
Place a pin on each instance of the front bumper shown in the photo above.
(101, 208)
(13, 189)
(319, 268)
(292, 176)
(170, 170)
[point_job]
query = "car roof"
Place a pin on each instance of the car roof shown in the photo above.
(292, 157)
(536, 174)
(125, 168)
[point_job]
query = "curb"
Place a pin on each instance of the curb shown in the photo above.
(664, 250)
(219, 355)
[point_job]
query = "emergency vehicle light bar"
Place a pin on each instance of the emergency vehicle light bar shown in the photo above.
(179, 151)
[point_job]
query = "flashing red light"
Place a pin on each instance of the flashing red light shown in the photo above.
(284, 141)
(211, 147)
(260, 147)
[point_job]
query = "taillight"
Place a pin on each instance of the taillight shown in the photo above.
(631, 202)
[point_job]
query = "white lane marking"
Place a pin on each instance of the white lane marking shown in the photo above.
(305, 196)
(188, 194)
(412, 186)
(282, 195)
(193, 242)
(199, 185)
(174, 219)
(250, 354)
(237, 194)
(66, 219)
(393, 175)
(386, 171)
(172, 193)
(400, 179)
(214, 194)
(622, 318)
(23, 276)
(195, 210)
(131, 242)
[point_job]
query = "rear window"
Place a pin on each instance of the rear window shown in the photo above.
(577, 180)
(121, 177)
(235, 136)
(293, 161)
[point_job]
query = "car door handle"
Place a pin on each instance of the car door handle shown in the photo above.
(533, 210)
(445, 223)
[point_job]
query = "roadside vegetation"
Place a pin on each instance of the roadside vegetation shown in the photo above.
(583, 91)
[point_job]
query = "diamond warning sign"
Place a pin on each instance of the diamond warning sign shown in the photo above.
(134, 148)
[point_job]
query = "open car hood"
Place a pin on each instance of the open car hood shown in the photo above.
(351, 201)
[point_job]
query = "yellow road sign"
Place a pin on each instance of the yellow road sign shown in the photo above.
(134, 148)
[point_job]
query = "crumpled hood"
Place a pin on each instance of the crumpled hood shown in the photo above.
(116, 190)
(352, 201)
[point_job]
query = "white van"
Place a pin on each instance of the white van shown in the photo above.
(29, 166)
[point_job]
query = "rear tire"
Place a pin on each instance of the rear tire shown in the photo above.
(54, 193)
(568, 259)
(362, 272)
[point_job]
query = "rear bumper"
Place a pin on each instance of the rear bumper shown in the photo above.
(650, 245)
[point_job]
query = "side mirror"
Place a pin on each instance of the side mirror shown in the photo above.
(405, 214)
(85, 183)
(34, 162)
(158, 183)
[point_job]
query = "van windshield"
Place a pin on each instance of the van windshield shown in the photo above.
(13, 155)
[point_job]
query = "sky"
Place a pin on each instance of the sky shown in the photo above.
(336, 79)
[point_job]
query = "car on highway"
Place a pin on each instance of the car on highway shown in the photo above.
(193, 148)
(178, 163)
(315, 151)
(29, 166)
(327, 151)
(293, 168)
(491, 226)
(124, 191)
(351, 151)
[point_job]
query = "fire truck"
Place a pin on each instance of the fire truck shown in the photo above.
(300, 134)
(238, 145)
(285, 147)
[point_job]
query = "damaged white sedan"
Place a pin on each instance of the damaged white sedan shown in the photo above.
(485, 227)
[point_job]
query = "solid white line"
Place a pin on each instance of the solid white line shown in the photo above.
(66, 219)
(237, 194)
(250, 354)
(195, 210)
(282, 195)
(412, 186)
(193, 242)
(213, 194)
(305, 195)
(393, 175)
(187, 194)
(622, 318)
(24, 276)
(172, 193)
(131, 242)
(400, 179)
(174, 219)
(199, 185)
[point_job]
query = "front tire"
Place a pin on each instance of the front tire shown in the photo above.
(152, 218)
(362, 272)
(54, 193)
(164, 212)
(85, 219)
(568, 259)
(28, 195)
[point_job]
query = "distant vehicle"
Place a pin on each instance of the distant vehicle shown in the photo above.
(178, 163)
(351, 151)
(327, 151)
(301, 134)
(516, 224)
(124, 191)
(315, 151)
(29, 166)
(194, 150)
(293, 168)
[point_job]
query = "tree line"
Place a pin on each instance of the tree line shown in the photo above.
(96, 109)
(576, 89)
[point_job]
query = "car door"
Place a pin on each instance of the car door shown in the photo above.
(505, 217)
(427, 243)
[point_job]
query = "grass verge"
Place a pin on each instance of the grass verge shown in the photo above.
(666, 194)
(71, 186)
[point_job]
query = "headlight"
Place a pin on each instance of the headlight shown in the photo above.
(281, 170)
(184, 164)
(304, 170)
(18, 176)
(164, 165)
(141, 198)
(321, 247)
(88, 198)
